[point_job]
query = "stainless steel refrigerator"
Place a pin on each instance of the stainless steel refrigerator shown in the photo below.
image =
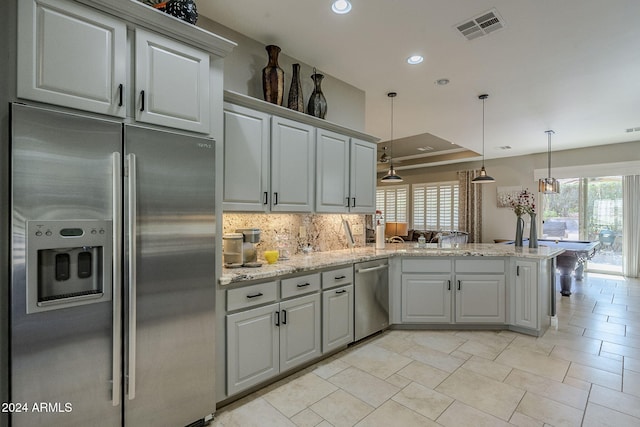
(113, 281)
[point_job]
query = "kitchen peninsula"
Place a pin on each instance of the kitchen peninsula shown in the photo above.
(286, 315)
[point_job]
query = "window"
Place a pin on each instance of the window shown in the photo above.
(435, 206)
(392, 202)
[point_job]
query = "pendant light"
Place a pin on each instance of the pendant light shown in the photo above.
(483, 178)
(391, 175)
(548, 185)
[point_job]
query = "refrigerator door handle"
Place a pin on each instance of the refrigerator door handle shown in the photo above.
(131, 366)
(117, 278)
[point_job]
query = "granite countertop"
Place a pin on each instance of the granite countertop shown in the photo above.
(319, 260)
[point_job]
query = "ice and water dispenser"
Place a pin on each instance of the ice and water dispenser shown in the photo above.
(68, 263)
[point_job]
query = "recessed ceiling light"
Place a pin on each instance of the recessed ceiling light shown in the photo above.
(341, 6)
(442, 82)
(415, 59)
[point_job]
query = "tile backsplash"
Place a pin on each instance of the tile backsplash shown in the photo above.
(324, 232)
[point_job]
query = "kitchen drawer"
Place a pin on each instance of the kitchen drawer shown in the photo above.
(480, 265)
(250, 296)
(337, 277)
(300, 285)
(426, 265)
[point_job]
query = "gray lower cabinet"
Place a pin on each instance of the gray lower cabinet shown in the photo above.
(267, 340)
(337, 317)
(525, 294)
(453, 291)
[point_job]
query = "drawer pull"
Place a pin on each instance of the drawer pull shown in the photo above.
(141, 100)
(459, 284)
(120, 89)
(347, 203)
(284, 317)
(259, 294)
(448, 285)
(303, 285)
(277, 317)
(341, 291)
(266, 198)
(340, 277)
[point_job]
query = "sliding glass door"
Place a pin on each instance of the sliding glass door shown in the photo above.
(588, 209)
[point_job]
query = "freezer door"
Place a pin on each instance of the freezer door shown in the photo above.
(62, 351)
(170, 274)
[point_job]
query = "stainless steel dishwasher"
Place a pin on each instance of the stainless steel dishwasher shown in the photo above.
(371, 297)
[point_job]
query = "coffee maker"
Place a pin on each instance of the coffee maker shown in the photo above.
(250, 236)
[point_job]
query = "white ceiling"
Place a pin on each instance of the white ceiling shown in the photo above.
(568, 65)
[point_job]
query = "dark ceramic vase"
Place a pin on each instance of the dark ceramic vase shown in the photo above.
(273, 77)
(533, 232)
(317, 102)
(182, 9)
(296, 101)
(519, 231)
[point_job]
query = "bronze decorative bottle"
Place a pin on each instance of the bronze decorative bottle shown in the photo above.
(317, 102)
(296, 100)
(273, 77)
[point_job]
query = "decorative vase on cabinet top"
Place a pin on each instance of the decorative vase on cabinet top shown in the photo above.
(296, 100)
(317, 102)
(181, 9)
(273, 77)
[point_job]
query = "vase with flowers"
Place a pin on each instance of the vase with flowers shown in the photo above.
(522, 203)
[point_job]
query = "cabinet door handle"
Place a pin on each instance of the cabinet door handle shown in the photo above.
(459, 284)
(120, 89)
(303, 285)
(284, 317)
(141, 100)
(341, 291)
(353, 202)
(266, 198)
(448, 285)
(256, 295)
(277, 317)
(275, 198)
(339, 277)
(518, 270)
(347, 202)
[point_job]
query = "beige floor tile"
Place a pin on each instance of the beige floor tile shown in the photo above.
(631, 382)
(342, 409)
(396, 341)
(435, 358)
(632, 364)
(563, 393)
(489, 349)
(615, 400)
(329, 367)
(364, 386)
(394, 414)
(324, 423)
(612, 356)
(493, 338)
(598, 325)
(306, 418)
(376, 360)
(525, 342)
(487, 367)
(483, 393)
(461, 354)
(534, 363)
(577, 342)
(423, 400)
(599, 416)
(398, 380)
(459, 414)
(296, 395)
(423, 374)
(595, 376)
(445, 342)
(256, 413)
(579, 384)
(622, 350)
(613, 338)
(616, 310)
(521, 420)
(549, 411)
(587, 359)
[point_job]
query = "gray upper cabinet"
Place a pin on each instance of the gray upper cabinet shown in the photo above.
(172, 83)
(246, 159)
(71, 55)
(346, 174)
(292, 166)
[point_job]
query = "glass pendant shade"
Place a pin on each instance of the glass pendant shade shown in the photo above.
(548, 185)
(391, 175)
(483, 178)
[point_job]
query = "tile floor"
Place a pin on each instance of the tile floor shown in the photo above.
(585, 373)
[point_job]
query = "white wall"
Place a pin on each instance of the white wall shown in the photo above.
(243, 74)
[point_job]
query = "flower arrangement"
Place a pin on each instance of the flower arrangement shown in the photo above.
(522, 203)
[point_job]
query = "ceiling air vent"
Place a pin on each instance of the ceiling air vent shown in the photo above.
(481, 25)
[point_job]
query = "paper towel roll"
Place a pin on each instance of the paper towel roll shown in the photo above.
(380, 236)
